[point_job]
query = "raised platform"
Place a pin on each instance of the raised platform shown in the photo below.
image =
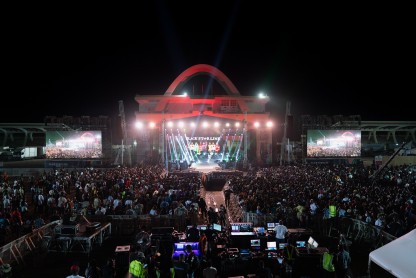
(206, 167)
(80, 242)
(215, 180)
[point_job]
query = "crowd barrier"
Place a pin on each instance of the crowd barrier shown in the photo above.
(16, 250)
(121, 225)
(128, 225)
(359, 231)
(125, 225)
(353, 229)
(235, 212)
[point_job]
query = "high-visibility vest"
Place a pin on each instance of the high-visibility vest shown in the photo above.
(289, 252)
(327, 262)
(332, 211)
(136, 268)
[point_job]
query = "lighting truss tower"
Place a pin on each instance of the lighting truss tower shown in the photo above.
(124, 152)
(286, 153)
(245, 159)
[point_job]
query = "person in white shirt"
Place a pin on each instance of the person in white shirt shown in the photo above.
(380, 221)
(281, 231)
(153, 211)
(313, 207)
(116, 202)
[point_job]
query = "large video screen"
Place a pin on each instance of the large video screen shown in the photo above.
(333, 143)
(215, 148)
(73, 144)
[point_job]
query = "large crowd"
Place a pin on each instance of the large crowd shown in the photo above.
(301, 193)
(298, 194)
(55, 193)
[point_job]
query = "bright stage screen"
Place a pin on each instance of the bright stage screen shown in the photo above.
(73, 144)
(333, 143)
(210, 146)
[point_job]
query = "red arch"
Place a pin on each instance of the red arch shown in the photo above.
(198, 70)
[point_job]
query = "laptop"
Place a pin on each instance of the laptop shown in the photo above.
(301, 245)
(271, 246)
(282, 245)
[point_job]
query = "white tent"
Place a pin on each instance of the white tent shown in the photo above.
(397, 257)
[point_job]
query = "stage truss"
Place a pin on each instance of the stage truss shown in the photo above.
(78, 243)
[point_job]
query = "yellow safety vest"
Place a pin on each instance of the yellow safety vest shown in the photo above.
(327, 262)
(136, 268)
(332, 211)
(289, 253)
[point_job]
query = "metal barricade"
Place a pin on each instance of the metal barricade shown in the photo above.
(16, 250)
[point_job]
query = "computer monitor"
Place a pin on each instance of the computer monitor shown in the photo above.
(216, 227)
(179, 246)
(300, 244)
(260, 230)
(282, 246)
(246, 227)
(271, 245)
(242, 227)
(270, 226)
(255, 244)
(235, 228)
(202, 227)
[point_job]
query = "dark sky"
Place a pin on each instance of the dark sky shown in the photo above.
(325, 60)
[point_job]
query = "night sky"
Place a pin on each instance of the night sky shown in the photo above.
(325, 60)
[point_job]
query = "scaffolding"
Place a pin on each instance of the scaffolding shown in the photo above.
(123, 156)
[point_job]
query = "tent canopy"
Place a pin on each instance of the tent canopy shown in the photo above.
(397, 257)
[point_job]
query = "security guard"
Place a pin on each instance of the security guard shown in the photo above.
(136, 267)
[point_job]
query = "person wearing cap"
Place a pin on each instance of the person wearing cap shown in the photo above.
(74, 272)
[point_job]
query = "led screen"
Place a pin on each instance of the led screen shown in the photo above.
(214, 147)
(333, 143)
(73, 144)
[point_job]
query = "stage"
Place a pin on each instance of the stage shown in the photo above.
(205, 167)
